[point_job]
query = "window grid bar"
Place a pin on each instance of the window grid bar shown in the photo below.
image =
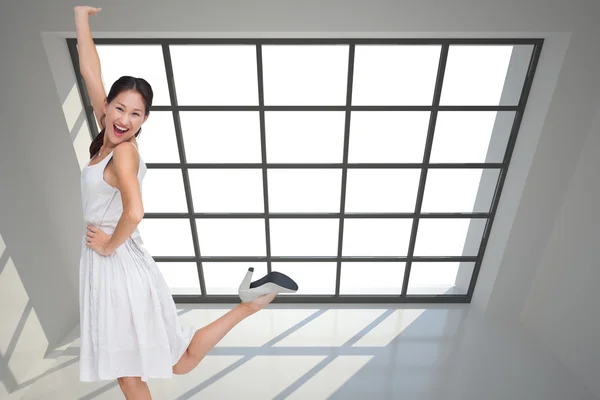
(312, 299)
(327, 166)
(428, 145)
(309, 259)
(263, 147)
(320, 41)
(334, 108)
(338, 271)
(184, 169)
(87, 104)
(247, 215)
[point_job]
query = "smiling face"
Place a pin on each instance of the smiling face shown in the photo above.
(125, 114)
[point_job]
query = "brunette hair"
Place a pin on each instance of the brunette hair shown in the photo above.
(123, 84)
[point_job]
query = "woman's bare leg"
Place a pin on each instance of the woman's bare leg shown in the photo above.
(134, 388)
(207, 337)
(202, 342)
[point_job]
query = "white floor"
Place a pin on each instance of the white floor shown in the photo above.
(346, 352)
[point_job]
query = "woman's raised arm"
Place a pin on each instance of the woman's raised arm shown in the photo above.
(89, 62)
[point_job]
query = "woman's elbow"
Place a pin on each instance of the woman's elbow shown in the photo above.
(136, 215)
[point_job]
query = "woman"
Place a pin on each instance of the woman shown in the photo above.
(129, 326)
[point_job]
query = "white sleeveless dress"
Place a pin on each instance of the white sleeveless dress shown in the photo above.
(128, 318)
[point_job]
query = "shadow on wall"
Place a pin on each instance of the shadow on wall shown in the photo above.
(25, 355)
(24, 352)
(78, 128)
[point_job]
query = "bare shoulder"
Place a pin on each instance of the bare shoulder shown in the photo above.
(125, 149)
(126, 158)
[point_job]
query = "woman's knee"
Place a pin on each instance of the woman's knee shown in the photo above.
(182, 367)
(185, 364)
(178, 369)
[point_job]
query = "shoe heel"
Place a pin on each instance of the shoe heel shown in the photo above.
(244, 289)
(273, 282)
(245, 285)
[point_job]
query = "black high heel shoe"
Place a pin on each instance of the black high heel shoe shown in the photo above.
(273, 282)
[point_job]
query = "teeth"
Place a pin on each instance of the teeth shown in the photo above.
(120, 128)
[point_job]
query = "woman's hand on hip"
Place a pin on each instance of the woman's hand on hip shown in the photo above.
(97, 240)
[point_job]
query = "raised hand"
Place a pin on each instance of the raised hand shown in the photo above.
(86, 10)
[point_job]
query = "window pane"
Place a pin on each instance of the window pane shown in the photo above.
(376, 237)
(438, 277)
(305, 137)
(221, 136)
(362, 278)
(227, 190)
(304, 237)
(163, 191)
(382, 190)
(311, 277)
(308, 190)
(459, 190)
(215, 74)
(143, 61)
(305, 75)
(485, 75)
(182, 277)
(449, 237)
(158, 143)
(231, 237)
(387, 136)
(167, 237)
(225, 277)
(395, 74)
(471, 137)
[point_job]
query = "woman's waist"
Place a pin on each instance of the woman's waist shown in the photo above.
(110, 229)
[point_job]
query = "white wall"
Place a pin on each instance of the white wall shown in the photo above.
(564, 306)
(573, 102)
(40, 213)
(39, 219)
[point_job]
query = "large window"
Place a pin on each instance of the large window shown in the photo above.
(367, 170)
